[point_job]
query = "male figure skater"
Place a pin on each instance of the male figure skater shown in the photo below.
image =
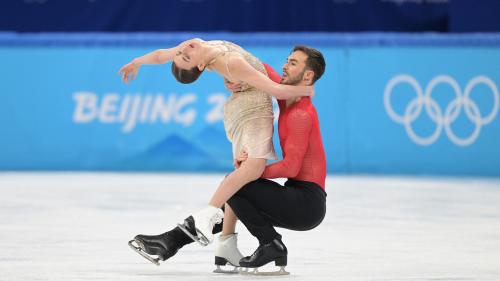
(301, 203)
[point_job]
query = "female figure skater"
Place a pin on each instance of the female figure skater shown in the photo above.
(248, 122)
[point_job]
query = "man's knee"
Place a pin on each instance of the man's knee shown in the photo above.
(235, 202)
(232, 201)
(309, 223)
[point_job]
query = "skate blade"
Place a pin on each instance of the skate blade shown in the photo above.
(235, 270)
(255, 271)
(200, 238)
(138, 249)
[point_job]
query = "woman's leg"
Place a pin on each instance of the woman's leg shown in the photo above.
(249, 171)
(230, 219)
(203, 221)
(227, 248)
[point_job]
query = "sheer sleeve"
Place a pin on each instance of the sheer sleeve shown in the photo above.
(273, 75)
(298, 126)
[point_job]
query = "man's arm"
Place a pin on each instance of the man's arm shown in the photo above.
(273, 75)
(299, 125)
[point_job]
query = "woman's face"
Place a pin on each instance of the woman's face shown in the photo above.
(189, 56)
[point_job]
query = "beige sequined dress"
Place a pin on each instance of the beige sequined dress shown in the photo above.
(248, 114)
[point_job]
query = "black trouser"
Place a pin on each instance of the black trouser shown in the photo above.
(263, 204)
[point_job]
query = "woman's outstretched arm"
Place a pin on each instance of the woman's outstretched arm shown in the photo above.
(160, 56)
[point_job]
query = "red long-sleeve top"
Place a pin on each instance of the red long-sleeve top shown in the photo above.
(300, 140)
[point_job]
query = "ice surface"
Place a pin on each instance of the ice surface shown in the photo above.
(75, 226)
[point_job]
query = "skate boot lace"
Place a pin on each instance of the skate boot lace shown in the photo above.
(217, 218)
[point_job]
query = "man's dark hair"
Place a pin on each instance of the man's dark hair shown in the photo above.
(315, 60)
(185, 76)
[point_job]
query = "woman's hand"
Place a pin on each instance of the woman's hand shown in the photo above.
(311, 92)
(129, 71)
(232, 87)
(242, 158)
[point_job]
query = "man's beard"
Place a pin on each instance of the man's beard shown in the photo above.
(293, 80)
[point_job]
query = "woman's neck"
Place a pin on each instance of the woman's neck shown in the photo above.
(209, 53)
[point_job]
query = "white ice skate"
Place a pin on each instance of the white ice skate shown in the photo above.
(227, 253)
(199, 226)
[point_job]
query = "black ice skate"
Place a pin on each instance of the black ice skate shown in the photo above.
(274, 251)
(162, 246)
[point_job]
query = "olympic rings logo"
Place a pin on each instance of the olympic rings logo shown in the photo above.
(435, 112)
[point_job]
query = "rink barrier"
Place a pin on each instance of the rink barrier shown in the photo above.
(388, 103)
(360, 39)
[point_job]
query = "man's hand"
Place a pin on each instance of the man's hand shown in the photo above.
(242, 158)
(129, 71)
(232, 87)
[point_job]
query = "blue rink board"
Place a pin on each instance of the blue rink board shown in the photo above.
(387, 103)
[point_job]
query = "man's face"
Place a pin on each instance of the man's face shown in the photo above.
(294, 68)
